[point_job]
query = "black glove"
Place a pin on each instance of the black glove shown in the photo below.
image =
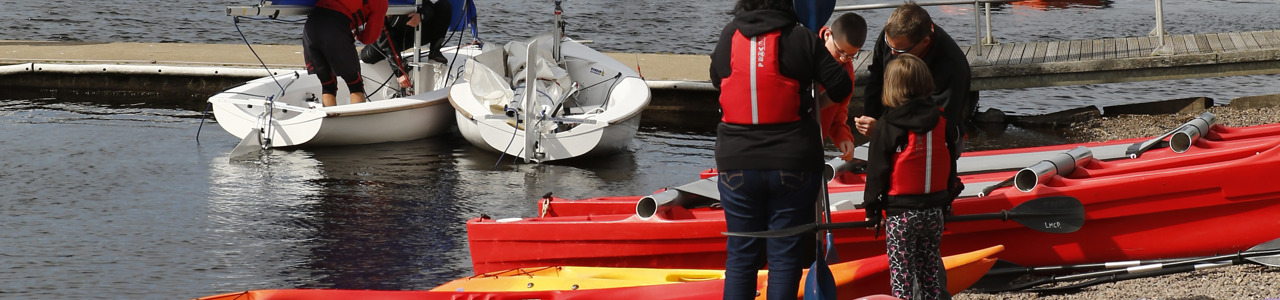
(876, 217)
(955, 187)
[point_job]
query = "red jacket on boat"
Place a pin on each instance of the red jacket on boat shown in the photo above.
(366, 13)
(909, 163)
(779, 132)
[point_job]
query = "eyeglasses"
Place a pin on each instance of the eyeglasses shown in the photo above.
(897, 51)
(845, 54)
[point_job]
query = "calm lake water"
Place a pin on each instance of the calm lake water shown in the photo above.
(124, 201)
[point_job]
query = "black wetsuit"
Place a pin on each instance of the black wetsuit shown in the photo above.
(327, 47)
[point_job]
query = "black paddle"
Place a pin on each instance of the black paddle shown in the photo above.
(1004, 272)
(821, 284)
(1265, 254)
(1058, 214)
(1121, 277)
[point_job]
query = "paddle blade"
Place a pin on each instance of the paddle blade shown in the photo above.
(1059, 214)
(252, 143)
(1268, 260)
(814, 13)
(1000, 277)
(820, 283)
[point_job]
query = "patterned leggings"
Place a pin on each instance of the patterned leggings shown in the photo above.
(915, 265)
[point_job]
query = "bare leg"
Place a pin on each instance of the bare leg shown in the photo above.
(357, 98)
(329, 99)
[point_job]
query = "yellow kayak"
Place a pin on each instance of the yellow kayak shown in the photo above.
(854, 278)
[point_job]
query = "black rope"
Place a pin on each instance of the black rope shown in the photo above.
(202, 117)
(236, 22)
(514, 130)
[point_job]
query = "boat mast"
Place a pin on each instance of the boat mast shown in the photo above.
(557, 33)
(417, 49)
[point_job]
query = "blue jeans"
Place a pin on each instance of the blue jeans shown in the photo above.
(758, 200)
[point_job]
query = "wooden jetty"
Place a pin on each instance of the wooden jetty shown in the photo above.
(675, 78)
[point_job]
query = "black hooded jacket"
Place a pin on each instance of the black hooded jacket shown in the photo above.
(918, 115)
(788, 146)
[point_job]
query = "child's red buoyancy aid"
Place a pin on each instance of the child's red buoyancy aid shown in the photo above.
(924, 164)
(756, 92)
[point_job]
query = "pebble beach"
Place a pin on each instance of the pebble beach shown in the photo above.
(1247, 281)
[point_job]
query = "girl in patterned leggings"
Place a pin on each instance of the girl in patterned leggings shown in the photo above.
(910, 180)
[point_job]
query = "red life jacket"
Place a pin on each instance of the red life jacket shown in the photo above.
(353, 9)
(924, 164)
(756, 92)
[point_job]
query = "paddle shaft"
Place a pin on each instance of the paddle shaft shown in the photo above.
(1020, 270)
(1058, 214)
(1142, 268)
(821, 286)
(1122, 277)
(1146, 268)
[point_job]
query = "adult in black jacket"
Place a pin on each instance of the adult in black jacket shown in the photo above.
(768, 145)
(911, 30)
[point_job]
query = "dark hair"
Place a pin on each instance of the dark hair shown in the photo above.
(851, 28)
(910, 20)
(750, 5)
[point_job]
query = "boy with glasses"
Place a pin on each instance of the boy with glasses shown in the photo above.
(844, 38)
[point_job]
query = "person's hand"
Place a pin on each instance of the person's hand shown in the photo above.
(414, 19)
(846, 148)
(864, 124)
(405, 82)
(876, 217)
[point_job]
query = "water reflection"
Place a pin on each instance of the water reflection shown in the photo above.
(258, 212)
(1059, 4)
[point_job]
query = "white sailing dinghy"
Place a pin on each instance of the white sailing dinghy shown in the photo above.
(285, 111)
(548, 98)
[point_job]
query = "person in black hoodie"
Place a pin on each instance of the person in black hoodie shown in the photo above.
(910, 30)
(768, 144)
(909, 179)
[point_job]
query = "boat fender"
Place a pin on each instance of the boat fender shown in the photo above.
(1190, 132)
(1061, 164)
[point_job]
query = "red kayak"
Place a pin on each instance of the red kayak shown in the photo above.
(1218, 196)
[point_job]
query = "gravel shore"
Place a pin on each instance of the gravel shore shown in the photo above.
(1248, 281)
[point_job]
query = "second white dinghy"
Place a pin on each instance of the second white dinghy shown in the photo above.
(549, 98)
